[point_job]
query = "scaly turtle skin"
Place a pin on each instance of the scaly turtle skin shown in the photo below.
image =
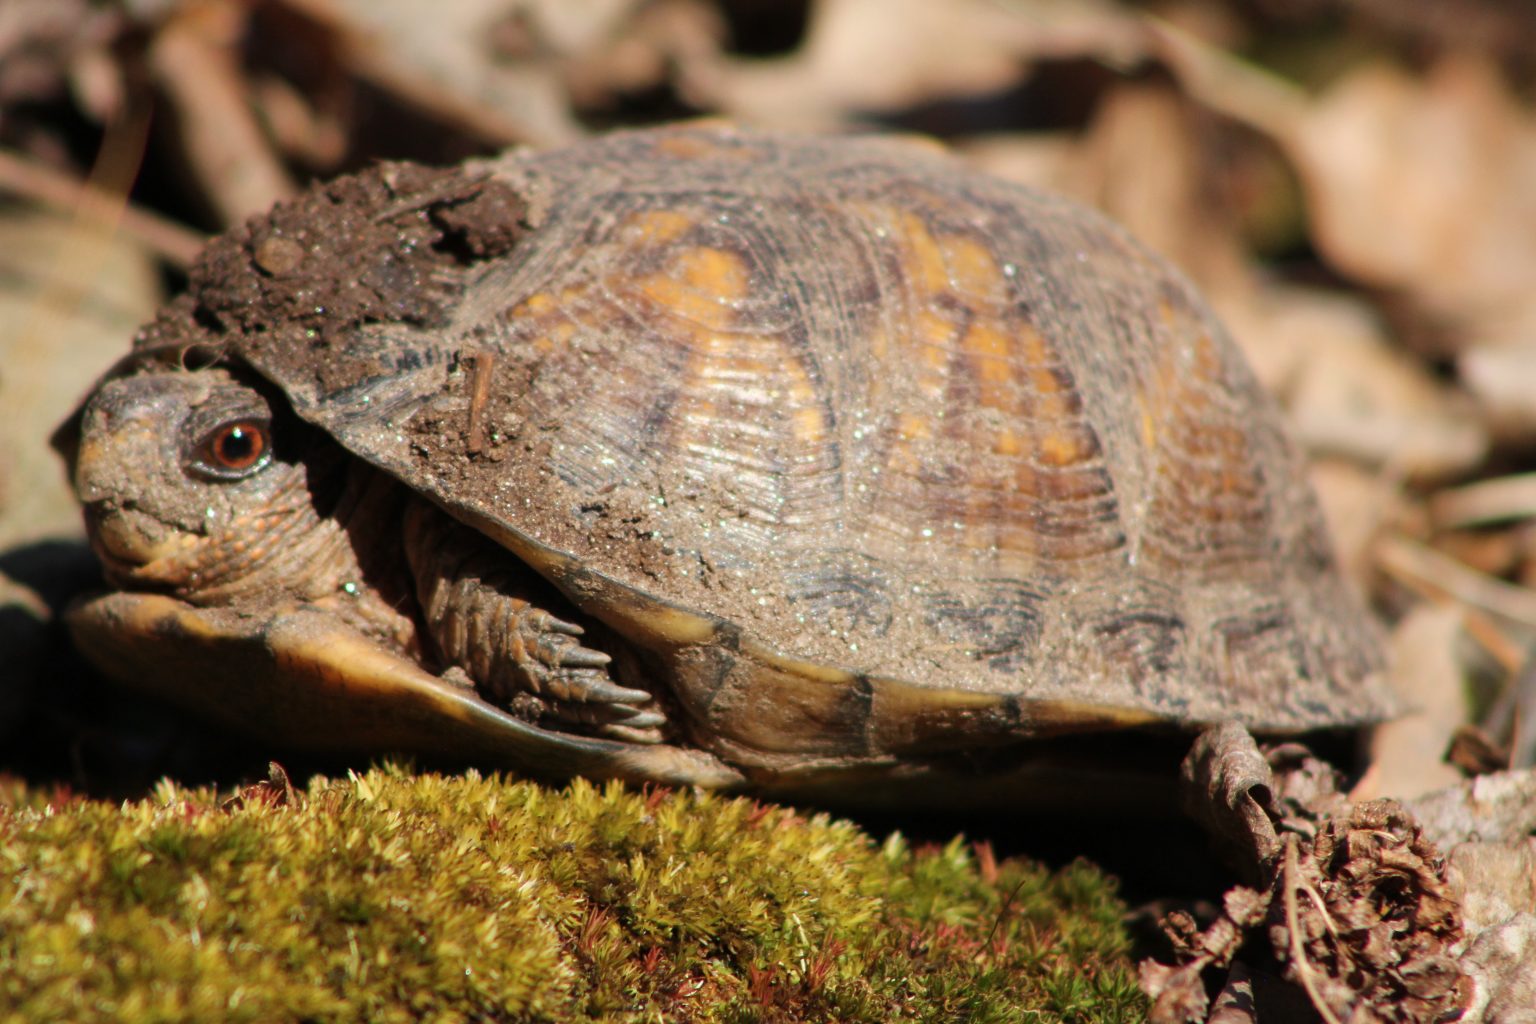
(707, 456)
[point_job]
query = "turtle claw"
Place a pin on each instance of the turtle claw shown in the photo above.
(623, 731)
(588, 687)
(644, 720)
(583, 657)
(616, 721)
(565, 670)
(589, 697)
(559, 667)
(550, 624)
(491, 629)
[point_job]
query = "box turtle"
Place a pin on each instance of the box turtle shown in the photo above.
(807, 465)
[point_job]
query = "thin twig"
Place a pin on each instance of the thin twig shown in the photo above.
(1002, 911)
(1304, 969)
(1486, 502)
(481, 367)
(1491, 637)
(195, 62)
(1428, 572)
(172, 242)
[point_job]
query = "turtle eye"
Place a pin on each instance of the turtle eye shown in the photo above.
(234, 450)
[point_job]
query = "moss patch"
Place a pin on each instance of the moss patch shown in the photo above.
(393, 896)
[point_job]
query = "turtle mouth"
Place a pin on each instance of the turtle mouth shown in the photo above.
(129, 542)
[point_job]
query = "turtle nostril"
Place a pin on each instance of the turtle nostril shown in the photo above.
(99, 508)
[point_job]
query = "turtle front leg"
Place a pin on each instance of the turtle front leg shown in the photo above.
(488, 615)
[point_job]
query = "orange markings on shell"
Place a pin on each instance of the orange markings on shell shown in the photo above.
(656, 227)
(1208, 512)
(976, 350)
(699, 287)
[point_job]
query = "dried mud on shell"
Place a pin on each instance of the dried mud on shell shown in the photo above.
(389, 245)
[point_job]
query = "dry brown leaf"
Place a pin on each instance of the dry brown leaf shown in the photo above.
(870, 56)
(1143, 161)
(1502, 965)
(662, 36)
(1366, 921)
(1503, 379)
(1356, 899)
(1493, 808)
(1358, 396)
(1226, 785)
(1495, 881)
(1349, 390)
(69, 295)
(1357, 504)
(448, 64)
(1178, 993)
(1426, 185)
(1306, 787)
(1420, 186)
(1283, 325)
(1046, 160)
(1406, 753)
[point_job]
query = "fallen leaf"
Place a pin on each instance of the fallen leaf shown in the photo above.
(1178, 992)
(448, 64)
(1423, 185)
(1502, 965)
(1494, 880)
(1226, 785)
(1358, 396)
(1502, 376)
(1494, 808)
(1407, 753)
(873, 56)
(70, 294)
(1144, 161)
(1366, 921)
(1357, 504)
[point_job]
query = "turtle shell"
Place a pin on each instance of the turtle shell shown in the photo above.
(869, 451)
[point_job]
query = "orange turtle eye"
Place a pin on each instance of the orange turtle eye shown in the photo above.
(234, 450)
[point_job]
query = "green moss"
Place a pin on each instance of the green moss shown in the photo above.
(393, 896)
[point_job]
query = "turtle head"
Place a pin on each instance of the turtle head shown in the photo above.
(190, 485)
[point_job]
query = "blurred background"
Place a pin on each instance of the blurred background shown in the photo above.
(1351, 182)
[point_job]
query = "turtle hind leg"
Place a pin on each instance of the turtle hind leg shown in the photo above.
(489, 616)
